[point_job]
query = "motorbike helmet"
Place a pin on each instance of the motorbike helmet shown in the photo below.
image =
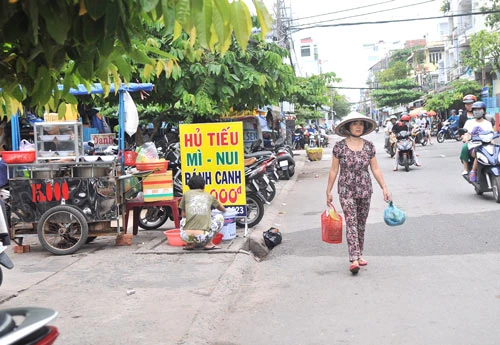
(478, 109)
(469, 99)
(405, 118)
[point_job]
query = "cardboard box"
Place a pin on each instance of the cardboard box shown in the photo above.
(158, 187)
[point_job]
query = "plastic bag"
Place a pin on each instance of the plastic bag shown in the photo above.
(272, 237)
(131, 115)
(25, 145)
(331, 226)
(393, 216)
(147, 153)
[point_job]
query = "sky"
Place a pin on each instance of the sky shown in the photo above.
(341, 48)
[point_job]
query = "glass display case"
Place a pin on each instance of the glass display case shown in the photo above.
(58, 141)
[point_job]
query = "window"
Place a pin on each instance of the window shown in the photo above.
(434, 57)
(305, 51)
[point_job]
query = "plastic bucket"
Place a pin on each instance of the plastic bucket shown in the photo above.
(228, 231)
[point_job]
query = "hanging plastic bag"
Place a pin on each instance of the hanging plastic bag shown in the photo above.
(393, 216)
(331, 226)
(131, 115)
(272, 237)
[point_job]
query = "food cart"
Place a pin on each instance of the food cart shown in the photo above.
(65, 197)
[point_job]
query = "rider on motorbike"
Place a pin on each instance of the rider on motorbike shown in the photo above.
(453, 120)
(388, 128)
(404, 125)
(478, 124)
(424, 125)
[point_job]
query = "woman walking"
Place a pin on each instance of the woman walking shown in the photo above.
(352, 156)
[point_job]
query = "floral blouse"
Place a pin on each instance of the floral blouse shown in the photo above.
(354, 178)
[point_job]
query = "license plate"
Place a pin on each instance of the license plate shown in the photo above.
(283, 163)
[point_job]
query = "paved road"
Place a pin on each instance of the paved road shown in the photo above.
(432, 281)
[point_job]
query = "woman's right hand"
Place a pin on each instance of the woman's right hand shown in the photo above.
(329, 199)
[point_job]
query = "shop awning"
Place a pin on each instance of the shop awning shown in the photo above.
(97, 89)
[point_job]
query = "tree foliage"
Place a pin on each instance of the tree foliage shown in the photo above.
(341, 104)
(452, 97)
(211, 83)
(309, 94)
(71, 42)
(396, 92)
(493, 19)
(484, 51)
(398, 70)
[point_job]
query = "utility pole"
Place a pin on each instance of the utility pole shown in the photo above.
(281, 30)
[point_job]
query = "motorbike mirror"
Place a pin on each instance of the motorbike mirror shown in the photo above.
(91, 144)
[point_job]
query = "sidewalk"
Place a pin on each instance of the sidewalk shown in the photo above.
(159, 245)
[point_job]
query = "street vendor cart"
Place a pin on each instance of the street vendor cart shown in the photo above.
(64, 196)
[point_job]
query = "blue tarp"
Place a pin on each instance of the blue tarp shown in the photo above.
(81, 90)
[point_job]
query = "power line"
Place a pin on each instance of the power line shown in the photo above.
(393, 20)
(365, 14)
(347, 10)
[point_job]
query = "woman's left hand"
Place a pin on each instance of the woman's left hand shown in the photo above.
(387, 195)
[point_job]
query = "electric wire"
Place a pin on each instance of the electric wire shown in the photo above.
(346, 10)
(297, 28)
(365, 14)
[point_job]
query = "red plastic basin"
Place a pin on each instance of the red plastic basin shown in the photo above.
(174, 237)
(18, 157)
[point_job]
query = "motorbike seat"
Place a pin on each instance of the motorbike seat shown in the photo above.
(258, 154)
(250, 161)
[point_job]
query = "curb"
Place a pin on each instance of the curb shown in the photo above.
(229, 282)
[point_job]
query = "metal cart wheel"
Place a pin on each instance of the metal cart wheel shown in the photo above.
(62, 230)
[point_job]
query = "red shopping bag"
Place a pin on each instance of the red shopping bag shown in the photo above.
(331, 226)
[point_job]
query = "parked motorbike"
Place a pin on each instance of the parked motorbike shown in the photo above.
(27, 326)
(405, 150)
(447, 133)
(285, 163)
(5, 261)
(255, 199)
(488, 159)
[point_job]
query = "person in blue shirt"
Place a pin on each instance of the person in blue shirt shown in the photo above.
(453, 119)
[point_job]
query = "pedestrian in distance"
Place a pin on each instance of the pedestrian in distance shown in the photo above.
(198, 225)
(352, 158)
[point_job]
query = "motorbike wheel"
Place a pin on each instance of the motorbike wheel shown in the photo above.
(284, 174)
(291, 170)
(1, 276)
(440, 137)
(62, 230)
(496, 188)
(392, 150)
(478, 190)
(458, 137)
(269, 192)
(424, 140)
(255, 211)
(152, 218)
(406, 164)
